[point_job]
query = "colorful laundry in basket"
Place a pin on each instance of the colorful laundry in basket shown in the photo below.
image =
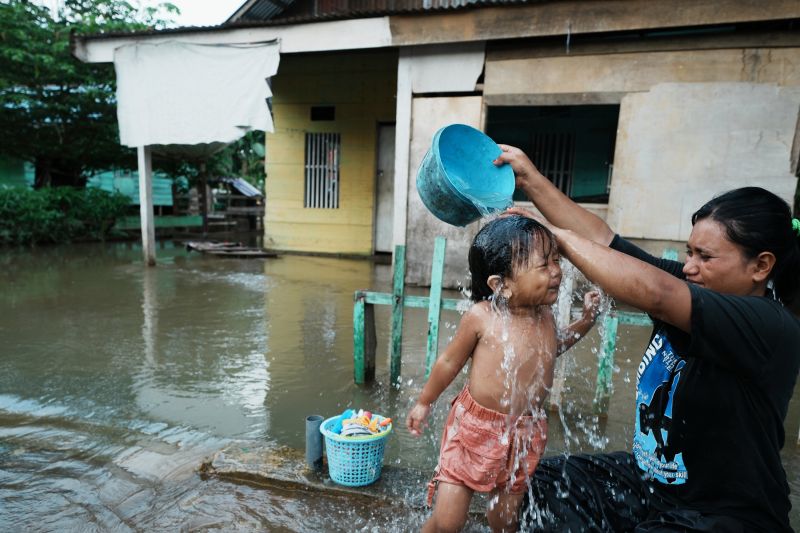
(361, 423)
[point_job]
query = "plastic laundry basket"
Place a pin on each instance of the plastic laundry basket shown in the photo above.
(354, 461)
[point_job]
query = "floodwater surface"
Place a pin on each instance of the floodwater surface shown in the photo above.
(117, 381)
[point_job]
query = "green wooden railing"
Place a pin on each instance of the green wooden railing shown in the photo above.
(365, 340)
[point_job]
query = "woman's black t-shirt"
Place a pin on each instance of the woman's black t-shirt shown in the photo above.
(710, 405)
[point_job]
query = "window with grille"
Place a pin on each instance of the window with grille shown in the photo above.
(322, 170)
(554, 154)
(573, 145)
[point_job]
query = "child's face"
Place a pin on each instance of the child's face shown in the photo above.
(538, 282)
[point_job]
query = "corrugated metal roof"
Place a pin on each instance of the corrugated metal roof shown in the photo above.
(243, 187)
(286, 11)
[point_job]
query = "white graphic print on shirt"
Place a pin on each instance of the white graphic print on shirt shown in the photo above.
(657, 378)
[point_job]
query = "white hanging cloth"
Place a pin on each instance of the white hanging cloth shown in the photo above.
(180, 93)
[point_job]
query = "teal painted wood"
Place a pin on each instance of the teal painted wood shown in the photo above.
(630, 318)
(435, 303)
(129, 186)
(418, 302)
(670, 253)
(605, 365)
(398, 293)
(358, 338)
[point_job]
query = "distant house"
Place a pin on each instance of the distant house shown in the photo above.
(640, 109)
(16, 173)
(127, 183)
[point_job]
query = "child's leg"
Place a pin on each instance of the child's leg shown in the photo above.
(450, 510)
(503, 511)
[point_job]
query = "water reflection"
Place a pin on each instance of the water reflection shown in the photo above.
(117, 380)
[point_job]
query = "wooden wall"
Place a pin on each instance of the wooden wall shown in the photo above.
(361, 86)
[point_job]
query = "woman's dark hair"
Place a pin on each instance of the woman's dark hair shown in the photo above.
(759, 221)
(503, 245)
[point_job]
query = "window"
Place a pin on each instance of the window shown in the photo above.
(323, 112)
(571, 145)
(322, 171)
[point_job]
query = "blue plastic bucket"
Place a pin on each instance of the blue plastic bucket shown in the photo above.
(457, 180)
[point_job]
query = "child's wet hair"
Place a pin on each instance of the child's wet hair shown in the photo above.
(503, 245)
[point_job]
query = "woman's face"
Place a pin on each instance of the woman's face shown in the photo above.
(714, 262)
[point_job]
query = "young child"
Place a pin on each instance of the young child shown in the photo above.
(496, 430)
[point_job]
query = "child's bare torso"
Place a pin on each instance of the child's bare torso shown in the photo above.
(512, 364)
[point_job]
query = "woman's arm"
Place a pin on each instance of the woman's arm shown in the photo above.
(556, 207)
(629, 280)
(568, 336)
(446, 368)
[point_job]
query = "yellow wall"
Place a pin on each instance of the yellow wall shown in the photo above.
(361, 85)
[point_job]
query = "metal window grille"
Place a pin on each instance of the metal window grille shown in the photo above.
(554, 154)
(322, 170)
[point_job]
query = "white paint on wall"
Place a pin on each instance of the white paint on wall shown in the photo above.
(446, 68)
(353, 34)
(402, 140)
(430, 114)
(680, 144)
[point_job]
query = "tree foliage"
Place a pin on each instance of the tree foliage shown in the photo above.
(54, 109)
(243, 158)
(58, 214)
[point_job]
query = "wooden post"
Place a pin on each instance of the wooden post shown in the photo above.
(204, 197)
(435, 303)
(562, 321)
(146, 205)
(605, 365)
(364, 339)
(402, 144)
(395, 362)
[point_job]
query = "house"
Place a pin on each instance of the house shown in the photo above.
(641, 109)
(16, 173)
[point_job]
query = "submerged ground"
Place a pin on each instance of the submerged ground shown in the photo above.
(116, 381)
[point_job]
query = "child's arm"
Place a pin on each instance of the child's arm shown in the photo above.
(446, 368)
(573, 333)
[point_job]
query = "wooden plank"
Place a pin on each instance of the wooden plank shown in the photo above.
(435, 303)
(370, 342)
(419, 302)
(395, 361)
(543, 19)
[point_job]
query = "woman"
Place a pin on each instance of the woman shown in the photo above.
(714, 384)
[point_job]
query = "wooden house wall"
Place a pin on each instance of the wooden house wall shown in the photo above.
(361, 86)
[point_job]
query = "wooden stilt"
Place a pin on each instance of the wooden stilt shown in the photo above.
(364, 339)
(398, 294)
(146, 204)
(435, 303)
(562, 320)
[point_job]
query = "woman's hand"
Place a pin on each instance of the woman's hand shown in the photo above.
(591, 306)
(525, 171)
(417, 417)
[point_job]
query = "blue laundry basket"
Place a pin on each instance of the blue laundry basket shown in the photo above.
(354, 461)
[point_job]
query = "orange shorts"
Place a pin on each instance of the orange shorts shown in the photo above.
(480, 451)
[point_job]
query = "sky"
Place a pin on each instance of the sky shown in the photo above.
(193, 12)
(201, 12)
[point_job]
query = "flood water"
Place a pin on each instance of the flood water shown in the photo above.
(117, 380)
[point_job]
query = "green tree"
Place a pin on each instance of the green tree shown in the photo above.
(55, 110)
(243, 158)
